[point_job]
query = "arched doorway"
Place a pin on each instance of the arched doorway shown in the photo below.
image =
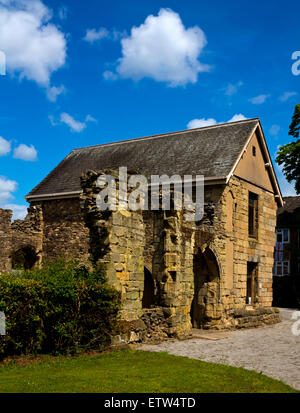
(206, 288)
(148, 296)
(24, 258)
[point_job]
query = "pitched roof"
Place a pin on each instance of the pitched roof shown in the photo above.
(289, 214)
(210, 151)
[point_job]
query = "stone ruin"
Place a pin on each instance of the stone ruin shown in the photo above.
(173, 274)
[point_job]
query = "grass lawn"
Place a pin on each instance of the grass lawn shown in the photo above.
(132, 372)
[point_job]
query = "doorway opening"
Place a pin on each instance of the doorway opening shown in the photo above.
(148, 296)
(206, 288)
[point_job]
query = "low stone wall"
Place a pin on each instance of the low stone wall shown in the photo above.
(153, 327)
(250, 318)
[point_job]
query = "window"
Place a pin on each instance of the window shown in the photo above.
(253, 150)
(253, 215)
(251, 295)
(283, 235)
(282, 268)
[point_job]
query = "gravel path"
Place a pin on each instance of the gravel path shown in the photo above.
(271, 350)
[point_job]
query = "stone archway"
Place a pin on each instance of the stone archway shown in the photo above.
(206, 289)
(148, 296)
(24, 258)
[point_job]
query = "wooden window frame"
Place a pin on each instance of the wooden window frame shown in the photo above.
(282, 264)
(253, 215)
(281, 231)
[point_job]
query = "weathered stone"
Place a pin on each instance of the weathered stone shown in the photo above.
(198, 270)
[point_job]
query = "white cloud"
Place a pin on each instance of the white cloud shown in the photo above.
(286, 95)
(7, 186)
(33, 46)
(52, 120)
(237, 117)
(258, 100)
(232, 89)
(162, 49)
(54, 91)
(108, 75)
(19, 211)
(93, 35)
(63, 12)
(74, 125)
(26, 153)
(274, 130)
(90, 118)
(5, 146)
(201, 123)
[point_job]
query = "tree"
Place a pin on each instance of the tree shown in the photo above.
(289, 155)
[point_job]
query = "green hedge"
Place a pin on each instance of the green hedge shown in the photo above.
(286, 291)
(61, 308)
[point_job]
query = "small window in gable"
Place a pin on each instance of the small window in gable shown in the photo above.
(253, 150)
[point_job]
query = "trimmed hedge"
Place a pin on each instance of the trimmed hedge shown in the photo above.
(61, 308)
(286, 291)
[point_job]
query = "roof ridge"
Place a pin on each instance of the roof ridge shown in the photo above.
(142, 138)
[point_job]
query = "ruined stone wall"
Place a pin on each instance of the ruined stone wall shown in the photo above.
(117, 241)
(64, 230)
(169, 247)
(173, 249)
(173, 269)
(29, 232)
(20, 234)
(5, 240)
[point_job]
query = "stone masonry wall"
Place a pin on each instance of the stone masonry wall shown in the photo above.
(29, 232)
(247, 249)
(64, 230)
(117, 241)
(173, 269)
(125, 242)
(233, 248)
(5, 240)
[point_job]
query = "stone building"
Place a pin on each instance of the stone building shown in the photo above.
(173, 273)
(287, 251)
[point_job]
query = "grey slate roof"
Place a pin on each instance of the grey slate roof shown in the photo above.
(209, 151)
(287, 215)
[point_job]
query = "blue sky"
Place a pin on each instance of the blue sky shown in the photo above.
(84, 73)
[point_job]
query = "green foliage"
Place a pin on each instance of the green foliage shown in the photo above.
(289, 155)
(286, 291)
(295, 125)
(60, 308)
